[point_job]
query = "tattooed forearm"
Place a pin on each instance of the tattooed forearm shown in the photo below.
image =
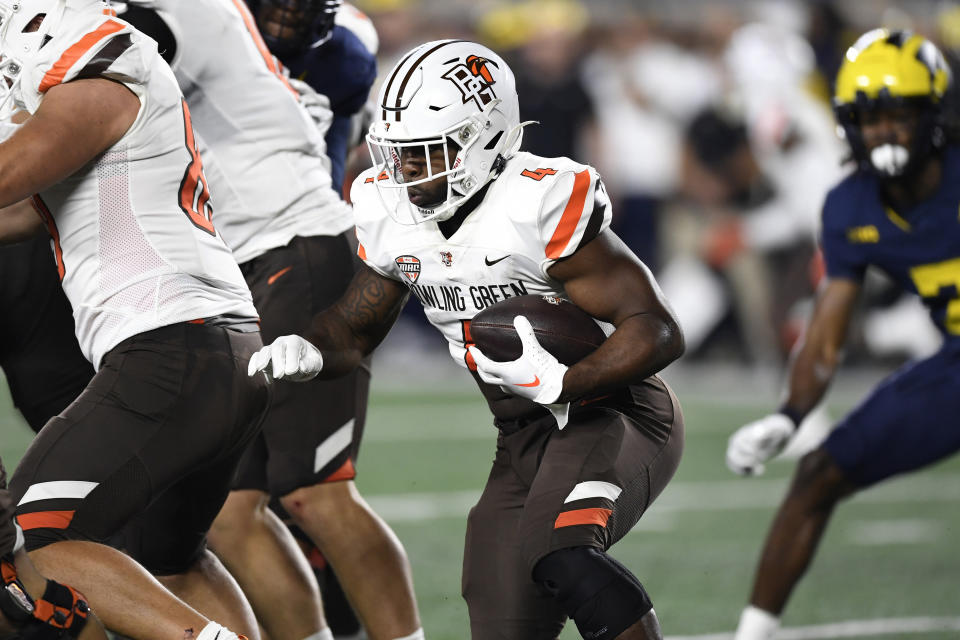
(358, 322)
(372, 302)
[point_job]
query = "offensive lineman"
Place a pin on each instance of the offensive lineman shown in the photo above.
(288, 230)
(454, 213)
(897, 212)
(109, 161)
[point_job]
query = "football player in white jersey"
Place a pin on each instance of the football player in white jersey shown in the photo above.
(290, 231)
(108, 160)
(454, 213)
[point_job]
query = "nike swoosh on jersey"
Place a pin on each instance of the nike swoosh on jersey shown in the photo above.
(536, 381)
(275, 276)
(487, 261)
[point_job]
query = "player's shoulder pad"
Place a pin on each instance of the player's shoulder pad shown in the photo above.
(360, 25)
(88, 48)
(369, 213)
(562, 201)
(372, 221)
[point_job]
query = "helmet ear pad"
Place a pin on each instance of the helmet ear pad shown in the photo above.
(486, 139)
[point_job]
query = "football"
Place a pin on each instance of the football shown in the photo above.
(561, 327)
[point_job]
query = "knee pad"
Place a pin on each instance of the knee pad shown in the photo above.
(601, 595)
(60, 613)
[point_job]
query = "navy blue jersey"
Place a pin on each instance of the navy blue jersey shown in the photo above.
(919, 248)
(342, 69)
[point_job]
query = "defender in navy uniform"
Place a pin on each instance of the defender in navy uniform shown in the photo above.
(337, 61)
(332, 58)
(896, 212)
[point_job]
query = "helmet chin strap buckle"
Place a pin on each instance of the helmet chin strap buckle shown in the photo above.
(890, 159)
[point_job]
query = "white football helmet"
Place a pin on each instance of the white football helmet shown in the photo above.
(18, 45)
(453, 93)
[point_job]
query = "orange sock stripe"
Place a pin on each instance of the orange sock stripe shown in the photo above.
(583, 516)
(45, 520)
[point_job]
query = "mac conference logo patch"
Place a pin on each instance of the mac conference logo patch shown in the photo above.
(409, 266)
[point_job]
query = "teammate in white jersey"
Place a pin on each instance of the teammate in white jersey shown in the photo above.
(289, 231)
(454, 213)
(108, 158)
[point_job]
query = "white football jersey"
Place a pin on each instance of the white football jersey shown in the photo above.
(131, 231)
(269, 175)
(536, 212)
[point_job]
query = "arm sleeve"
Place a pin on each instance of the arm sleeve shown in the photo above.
(574, 211)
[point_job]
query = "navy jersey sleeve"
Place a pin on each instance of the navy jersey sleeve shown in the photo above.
(341, 69)
(844, 259)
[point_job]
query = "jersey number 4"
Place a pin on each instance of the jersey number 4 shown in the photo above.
(194, 192)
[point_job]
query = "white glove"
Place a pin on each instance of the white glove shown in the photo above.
(293, 358)
(316, 104)
(535, 375)
(756, 442)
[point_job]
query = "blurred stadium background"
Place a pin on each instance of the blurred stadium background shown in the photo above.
(711, 125)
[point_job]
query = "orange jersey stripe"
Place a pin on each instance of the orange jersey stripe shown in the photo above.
(345, 472)
(571, 216)
(59, 70)
(361, 252)
(261, 45)
(45, 520)
(583, 516)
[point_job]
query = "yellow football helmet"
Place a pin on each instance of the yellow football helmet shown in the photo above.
(885, 69)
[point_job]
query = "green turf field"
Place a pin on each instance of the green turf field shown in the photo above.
(890, 556)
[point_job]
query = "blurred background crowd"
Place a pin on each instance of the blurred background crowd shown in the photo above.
(710, 122)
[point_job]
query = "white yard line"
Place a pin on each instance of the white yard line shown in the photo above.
(849, 629)
(725, 495)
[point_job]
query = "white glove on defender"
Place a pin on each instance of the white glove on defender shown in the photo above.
(756, 442)
(316, 104)
(536, 375)
(293, 358)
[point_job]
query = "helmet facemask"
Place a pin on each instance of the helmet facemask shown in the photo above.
(892, 160)
(289, 27)
(473, 153)
(25, 27)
